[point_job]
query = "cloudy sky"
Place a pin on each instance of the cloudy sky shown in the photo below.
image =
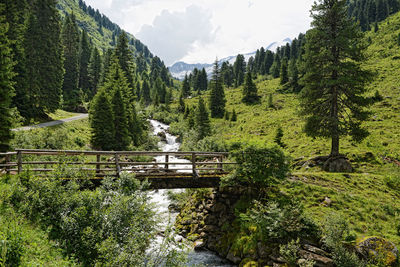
(199, 31)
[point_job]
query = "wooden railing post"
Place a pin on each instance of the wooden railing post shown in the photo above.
(8, 160)
(166, 161)
(19, 161)
(220, 165)
(117, 167)
(194, 172)
(98, 158)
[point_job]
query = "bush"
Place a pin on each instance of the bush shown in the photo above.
(336, 234)
(289, 252)
(280, 223)
(11, 244)
(112, 225)
(258, 167)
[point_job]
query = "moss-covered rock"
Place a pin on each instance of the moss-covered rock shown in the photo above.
(378, 250)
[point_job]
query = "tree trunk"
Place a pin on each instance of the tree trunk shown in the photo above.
(335, 146)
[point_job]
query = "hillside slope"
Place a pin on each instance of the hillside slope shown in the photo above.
(369, 197)
(102, 31)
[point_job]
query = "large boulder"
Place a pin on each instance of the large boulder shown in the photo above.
(338, 164)
(378, 249)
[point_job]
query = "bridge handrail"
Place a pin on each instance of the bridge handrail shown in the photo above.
(116, 160)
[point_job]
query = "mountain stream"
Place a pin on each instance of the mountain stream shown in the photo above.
(161, 201)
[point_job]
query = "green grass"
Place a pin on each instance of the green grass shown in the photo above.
(61, 114)
(71, 135)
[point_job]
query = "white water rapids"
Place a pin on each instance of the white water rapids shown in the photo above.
(161, 201)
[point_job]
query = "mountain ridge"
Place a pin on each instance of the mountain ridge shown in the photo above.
(181, 68)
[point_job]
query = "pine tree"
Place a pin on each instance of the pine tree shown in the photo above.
(203, 125)
(84, 60)
(284, 72)
(94, 72)
(70, 37)
(227, 74)
(203, 80)
(6, 84)
(121, 138)
(249, 90)
(239, 69)
(125, 57)
(294, 76)
(101, 122)
(185, 91)
(332, 99)
(44, 62)
(276, 66)
(15, 12)
(181, 107)
(145, 95)
(217, 94)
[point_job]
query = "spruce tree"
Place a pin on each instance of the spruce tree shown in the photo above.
(6, 84)
(294, 76)
(284, 72)
(125, 57)
(333, 101)
(249, 90)
(15, 12)
(44, 62)
(145, 95)
(94, 72)
(227, 74)
(70, 37)
(203, 125)
(217, 94)
(181, 107)
(203, 80)
(239, 69)
(101, 122)
(185, 91)
(121, 137)
(84, 60)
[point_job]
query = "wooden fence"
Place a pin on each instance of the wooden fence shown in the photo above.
(112, 163)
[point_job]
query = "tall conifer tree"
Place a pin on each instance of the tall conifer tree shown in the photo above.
(202, 120)
(44, 62)
(217, 94)
(84, 59)
(70, 37)
(101, 122)
(16, 12)
(333, 97)
(125, 57)
(6, 84)
(249, 90)
(94, 72)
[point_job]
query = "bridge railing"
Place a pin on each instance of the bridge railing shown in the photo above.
(112, 163)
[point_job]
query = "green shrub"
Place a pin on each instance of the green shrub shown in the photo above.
(336, 234)
(289, 252)
(258, 167)
(112, 225)
(11, 244)
(280, 223)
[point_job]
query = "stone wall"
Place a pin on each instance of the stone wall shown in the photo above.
(210, 223)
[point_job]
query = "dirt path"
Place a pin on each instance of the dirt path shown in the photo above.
(52, 123)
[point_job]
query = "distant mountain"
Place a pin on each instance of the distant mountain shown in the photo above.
(180, 69)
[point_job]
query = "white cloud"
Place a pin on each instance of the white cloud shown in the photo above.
(198, 31)
(172, 35)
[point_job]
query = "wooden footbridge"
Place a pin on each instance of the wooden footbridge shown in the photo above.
(164, 170)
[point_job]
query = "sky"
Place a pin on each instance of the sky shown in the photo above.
(198, 31)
